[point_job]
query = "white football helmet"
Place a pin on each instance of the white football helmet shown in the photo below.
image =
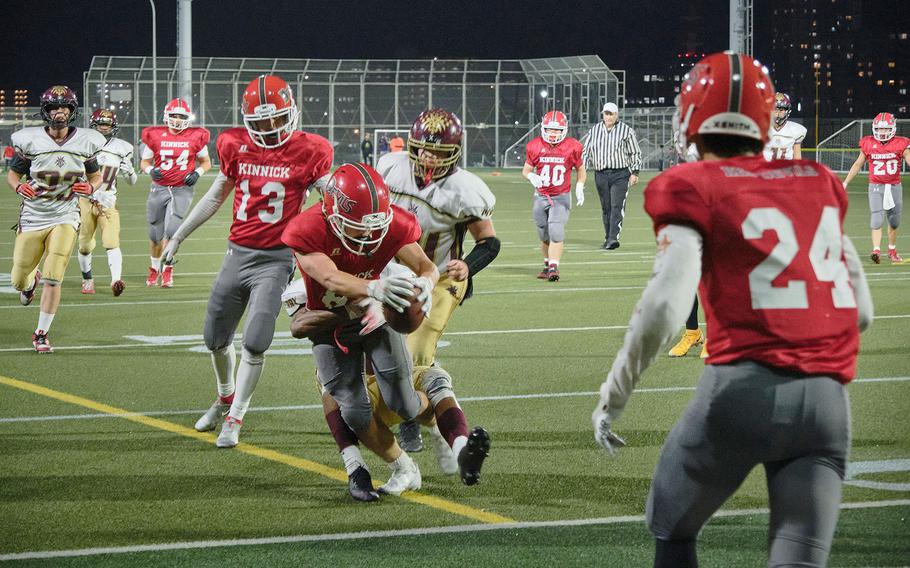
(177, 115)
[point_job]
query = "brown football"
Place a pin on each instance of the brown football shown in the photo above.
(407, 321)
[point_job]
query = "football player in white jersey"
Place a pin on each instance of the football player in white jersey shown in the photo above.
(115, 158)
(60, 162)
(448, 202)
(786, 135)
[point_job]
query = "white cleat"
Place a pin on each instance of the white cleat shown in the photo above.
(212, 417)
(445, 457)
(403, 479)
(230, 433)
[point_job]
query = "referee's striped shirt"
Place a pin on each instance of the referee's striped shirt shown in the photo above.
(612, 149)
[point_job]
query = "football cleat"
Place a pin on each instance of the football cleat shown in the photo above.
(167, 277)
(117, 287)
(213, 416)
(409, 437)
(445, 457)
(894, 257)
(152, 279)
(404, 478)
(704, 350)
(612, 245)
(26, 296)
(360, 486)
(471, 457)
(553, 273)
(690, 338)
(230, 433)
(543, 273)
(88, 286)
(876, 256)
(39, 340)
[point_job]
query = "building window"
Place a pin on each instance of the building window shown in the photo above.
(879, 82)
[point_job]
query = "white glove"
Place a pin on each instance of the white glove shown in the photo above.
(170, 251)
(426, 293)
(105, 199)
(604, 436)
(579, 194)
(395, 291)
(373, 318)
(535, 180)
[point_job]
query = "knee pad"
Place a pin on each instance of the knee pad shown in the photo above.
(894, 218)
(357, 419)
(50, 282)
(156, 232)
(877, 220)
(437, 384)
(557, 233)
(542, 233)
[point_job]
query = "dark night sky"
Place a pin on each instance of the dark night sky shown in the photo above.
(54, 42)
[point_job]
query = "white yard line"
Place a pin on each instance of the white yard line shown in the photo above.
(204, 544)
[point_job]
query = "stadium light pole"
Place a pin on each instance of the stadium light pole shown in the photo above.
(154, 62)
(817, 65)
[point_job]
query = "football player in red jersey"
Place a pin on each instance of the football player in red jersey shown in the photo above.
(785, 298)
(268, 166)
(548, 166)
(884, 151)
(169, 156)
(341, 246)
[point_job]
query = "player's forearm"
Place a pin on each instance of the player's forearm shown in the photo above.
(797, 152)
(582, 174)
(528, 168)
(205, 163)
(13, 179)
(664, 306)
(207, 206)
(145, 165)
(95, 179)
(864, 305)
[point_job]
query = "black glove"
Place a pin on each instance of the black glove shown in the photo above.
(191, 178)
(156, 174)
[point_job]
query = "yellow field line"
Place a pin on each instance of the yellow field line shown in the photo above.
(271, 455)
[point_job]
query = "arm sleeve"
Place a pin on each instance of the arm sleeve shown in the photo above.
(206, 207)
(20, 164)
(662, 310)
(860, 285)
(91, 165)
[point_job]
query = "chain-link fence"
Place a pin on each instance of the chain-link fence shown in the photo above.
(839, 150)
(497, 100)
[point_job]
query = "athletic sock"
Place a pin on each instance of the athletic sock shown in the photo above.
(892, 247)
(352, 459)
(452, 425)
(155, 262)
(341, 432)
(115, 263)
(44, 322)
(248, 373)
(675, 553)
(223, 361)
(403, 461)
(85, 265)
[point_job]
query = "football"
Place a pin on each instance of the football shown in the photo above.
(407, 321)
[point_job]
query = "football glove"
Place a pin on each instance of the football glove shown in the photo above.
(83, 188)
(191, 178)
(426, 293)
(535, 180)
(373, 318)
(105, 199)
(579, 194)
(26, 191)
(170, 251)
(395, 291)
(603, 435)
(156, 174)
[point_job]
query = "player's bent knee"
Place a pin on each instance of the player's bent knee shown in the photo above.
(357, 419)
(252, 357)
(437, 384)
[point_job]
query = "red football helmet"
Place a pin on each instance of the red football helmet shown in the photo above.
(782, 103)
(884, 127)
(177, 115)
(55, 97)
(356, 205)
(554, 127)
(434, 144)
(269, 111)
(726, 93)
(103, 117)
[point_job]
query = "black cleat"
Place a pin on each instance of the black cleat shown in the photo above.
(409, 437)
(360, 486)
(612, 245)
(471, 457)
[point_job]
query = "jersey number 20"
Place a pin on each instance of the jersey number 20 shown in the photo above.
(824, 255)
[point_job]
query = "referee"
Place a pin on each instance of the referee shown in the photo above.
(612, 151)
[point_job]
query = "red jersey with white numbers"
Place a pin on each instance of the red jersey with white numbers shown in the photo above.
(774, 285)
(884, 158)
(554, 163)
(310, 232)
(175, 154)
(270, 183)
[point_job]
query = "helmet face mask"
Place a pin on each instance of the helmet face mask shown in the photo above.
(884, 127)
(55, 99)
(105, 122)
(269, 112)
(357, 208)
(434, 145)
(554, 127)
(177, 115)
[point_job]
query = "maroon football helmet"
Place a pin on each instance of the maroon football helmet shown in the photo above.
(104, 117)
(782, 108)
(58, 96)
(356, 205)
(434, 145)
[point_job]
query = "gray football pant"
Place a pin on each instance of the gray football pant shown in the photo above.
(551, 213)
(342, 373)
(250, 280)
(165, 209)
(743, 415)
(612, 188)
(877, 206)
